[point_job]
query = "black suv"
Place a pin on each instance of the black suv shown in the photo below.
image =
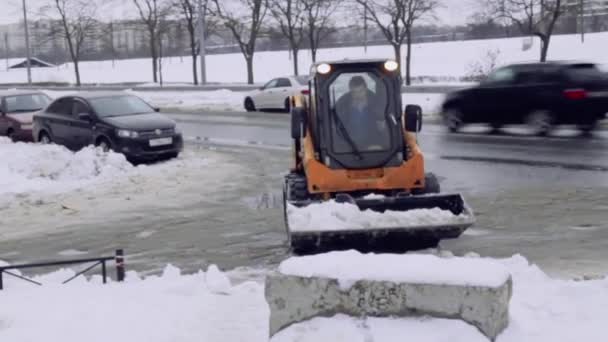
(117, 121)
(540, 95)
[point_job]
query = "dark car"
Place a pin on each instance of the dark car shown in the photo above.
(17, 108)
(118, 121)
(540, 95)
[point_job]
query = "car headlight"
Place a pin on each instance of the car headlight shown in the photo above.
(177, 130)
(125, 133)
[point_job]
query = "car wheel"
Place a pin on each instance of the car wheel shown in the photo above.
(540, 121)
(104, 145)
(45, 139)
(587, 128)
(453, 118)
(249, 105)
(431, 185)
(11, 135)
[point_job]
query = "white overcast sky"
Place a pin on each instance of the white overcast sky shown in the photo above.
(453, 11)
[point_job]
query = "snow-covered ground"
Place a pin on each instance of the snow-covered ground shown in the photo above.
(227, 100)
(443, 61)
(343, 216)
(206, 307)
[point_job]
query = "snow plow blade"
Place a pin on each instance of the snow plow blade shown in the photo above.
(414, 236)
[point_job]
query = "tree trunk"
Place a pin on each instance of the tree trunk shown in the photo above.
(408, 59)
(544, 49)
(397, 48)
(249, 60)
(77, 71)
(313, 52)
(295, 61)
(194, 55)
(154, 57)
(194, 69)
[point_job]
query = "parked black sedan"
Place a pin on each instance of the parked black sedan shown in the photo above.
(540, 95)
(118, 121)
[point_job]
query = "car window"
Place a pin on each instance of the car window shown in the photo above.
(303, 80)
(271, 84)
(501, 76)
(61, 107)
(26, 103)
(583, 72)
(283, 82)
(120, 106)
(79, 108)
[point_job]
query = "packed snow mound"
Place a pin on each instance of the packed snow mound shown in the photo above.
(169, 307)
(332, 216)
(341, 328)
(178, 307)
(32, 167)
(217, 281)
(351, 266)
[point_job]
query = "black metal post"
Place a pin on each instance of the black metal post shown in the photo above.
(120, 265)
(1, 282)
(103, 271)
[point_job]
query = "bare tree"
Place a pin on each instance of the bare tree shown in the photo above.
(533, 17)
(396, 19)
(317, 22)
(78, 26)
(151, 14)
(290, 16)
(244, 20)
(188, 11)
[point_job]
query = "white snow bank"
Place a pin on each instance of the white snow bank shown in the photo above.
(218, 100)
(30, 167)
(176, 307)
(35, 171)
(332, 216)
(341, 328)
(171, 307)
(349, 267)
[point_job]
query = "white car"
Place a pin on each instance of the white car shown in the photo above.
(275, 94)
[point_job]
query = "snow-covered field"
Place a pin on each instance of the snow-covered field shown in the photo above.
(206, 307)
(343, 216)
(444, 61)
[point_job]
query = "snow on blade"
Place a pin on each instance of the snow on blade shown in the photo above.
(332, 216)
(341, 328)
(351, 266)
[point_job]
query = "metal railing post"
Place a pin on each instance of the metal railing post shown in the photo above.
(103, 271)
(1, 281)
(120, 265)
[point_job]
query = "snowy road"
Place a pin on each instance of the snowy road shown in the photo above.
(543, 198)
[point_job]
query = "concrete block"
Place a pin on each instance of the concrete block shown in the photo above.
(293, 299)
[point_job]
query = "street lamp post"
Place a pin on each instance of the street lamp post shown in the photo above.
(27, 45)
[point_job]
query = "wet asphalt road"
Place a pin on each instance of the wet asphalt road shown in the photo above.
(544, 198)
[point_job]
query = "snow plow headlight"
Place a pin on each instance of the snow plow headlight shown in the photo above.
(125, 133)
(391, 65)
(323, 68)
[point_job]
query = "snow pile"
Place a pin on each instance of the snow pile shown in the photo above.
(332, 216)
(170, 307)
(31, 167)
(343, 328)
(177, 307)
(349, 267)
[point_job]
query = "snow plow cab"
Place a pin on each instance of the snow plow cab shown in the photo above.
(358, 179)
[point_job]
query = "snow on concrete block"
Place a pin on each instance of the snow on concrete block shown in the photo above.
(476, 291)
